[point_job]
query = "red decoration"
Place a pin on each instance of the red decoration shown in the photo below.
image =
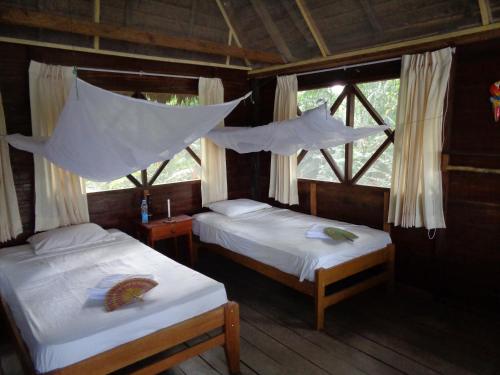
(495, 100)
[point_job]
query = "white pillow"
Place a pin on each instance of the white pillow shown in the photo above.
(66, 238)
(237, 207)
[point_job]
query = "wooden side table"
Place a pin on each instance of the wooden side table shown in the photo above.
(161, 229)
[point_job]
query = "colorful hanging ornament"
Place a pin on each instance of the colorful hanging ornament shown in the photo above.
(495, 99)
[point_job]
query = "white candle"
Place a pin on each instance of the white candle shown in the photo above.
(168, 208)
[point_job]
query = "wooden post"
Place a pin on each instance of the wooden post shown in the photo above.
(313, 199)
(232, 336)
(319, 299)
(386, 225)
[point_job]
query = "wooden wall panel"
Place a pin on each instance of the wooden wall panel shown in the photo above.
(116, 208)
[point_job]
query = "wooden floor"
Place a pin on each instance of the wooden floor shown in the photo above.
(407, 332)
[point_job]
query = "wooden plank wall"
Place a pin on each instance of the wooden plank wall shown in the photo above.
(115, 208)
(464, 259)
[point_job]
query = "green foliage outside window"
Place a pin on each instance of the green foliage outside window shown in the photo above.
(383, 95)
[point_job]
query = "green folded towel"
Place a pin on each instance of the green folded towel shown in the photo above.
(339, 234)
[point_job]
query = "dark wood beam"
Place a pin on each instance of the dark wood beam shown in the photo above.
(313, 28)
(371, 110)
(271, 28)
(158, 172)
(301, 156)
(193, 155)
(333, 165)
(23, 17)
(349, 122)
(134, 180)
(372, 159)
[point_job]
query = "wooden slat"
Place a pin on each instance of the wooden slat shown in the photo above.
(338, 101)
(485, 9)
(272, 29)
(355, 265)
(97, 19)
(313, 28)
(386, 225)
(172, 360)
(102, 52)
(349, 146)
(372, 159)
(333, 165)
(23, 17)
(231, 26)
(301, 156)
(134, 180)
(305, 286)
(385, 51)
(193, 154)
(462, 168)
(158, 172)
(357, 288)
(371, 109)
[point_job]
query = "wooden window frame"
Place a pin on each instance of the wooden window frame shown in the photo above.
(350, 92)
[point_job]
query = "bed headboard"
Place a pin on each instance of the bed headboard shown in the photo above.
(377, 193)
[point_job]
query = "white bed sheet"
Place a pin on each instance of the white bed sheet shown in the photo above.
(48, 298)
(276, 237)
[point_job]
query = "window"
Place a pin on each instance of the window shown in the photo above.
(185, 166)
(364, 162)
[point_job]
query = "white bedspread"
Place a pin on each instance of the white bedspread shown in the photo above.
(276, 237)
(48, 298)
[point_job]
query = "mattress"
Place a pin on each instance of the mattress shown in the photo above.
(276, 237)
(47, 295)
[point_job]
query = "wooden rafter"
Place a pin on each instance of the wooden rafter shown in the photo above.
(367, 8)
(97, 19)
(385, 51)
(23, 17)
(485, 9)
(313, 28)
(271, 28)
(231, 26)
(71, 48)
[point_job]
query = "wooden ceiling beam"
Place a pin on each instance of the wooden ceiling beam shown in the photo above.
(97, 19)
(272, 29)
(384, 51)
(313, 28)
(232, 29)
(485, 9)
(23, 17)
(368, 10)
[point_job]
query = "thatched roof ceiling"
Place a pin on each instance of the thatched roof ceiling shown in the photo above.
(294, 29)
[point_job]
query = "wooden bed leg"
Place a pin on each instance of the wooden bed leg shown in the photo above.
(319, 300)
(232, 336)
(390, 268)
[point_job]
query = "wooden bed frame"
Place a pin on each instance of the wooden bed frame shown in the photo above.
(225, 317)
(326, 276)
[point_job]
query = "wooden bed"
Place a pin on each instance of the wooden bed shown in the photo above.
(383, 258)
(225, 317)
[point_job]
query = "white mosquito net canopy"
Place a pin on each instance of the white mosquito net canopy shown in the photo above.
(102, 136)
(314, 129)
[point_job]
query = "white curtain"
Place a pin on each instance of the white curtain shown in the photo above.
(60, 197)
(283, 180)
(213, 158)
(416, 188)
(10, 220)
